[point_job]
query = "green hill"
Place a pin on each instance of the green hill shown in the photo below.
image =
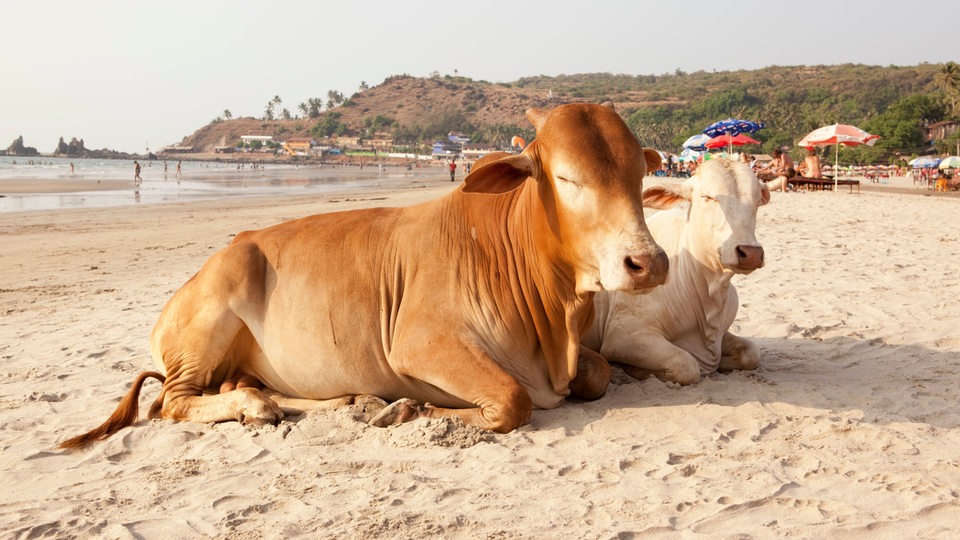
(663, 110)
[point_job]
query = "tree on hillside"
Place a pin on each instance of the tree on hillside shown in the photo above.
(312, 107)
(364, 86)
(410, 137)
(334, 98)
(446, 120)
(227, 114)
(663, 127)
(372, 126)
(900, 128)
(328, 125)
(271, 111)
(948, 79)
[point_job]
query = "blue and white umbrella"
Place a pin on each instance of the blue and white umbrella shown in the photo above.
(732, 127)
(689, 154)
(697, 142)
(952, 162)
(925, 162)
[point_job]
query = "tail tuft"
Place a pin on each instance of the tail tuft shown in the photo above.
(124, 415)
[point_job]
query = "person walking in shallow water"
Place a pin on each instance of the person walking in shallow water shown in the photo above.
(136, 174)
(179, 173)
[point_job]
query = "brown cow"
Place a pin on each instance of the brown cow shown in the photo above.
(473, 303)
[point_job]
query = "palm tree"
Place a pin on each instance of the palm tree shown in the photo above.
(227, 114)
(948, 79)
(334, 98)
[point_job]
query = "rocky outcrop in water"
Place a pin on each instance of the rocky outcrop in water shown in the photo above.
(74, 149)
(18, 149)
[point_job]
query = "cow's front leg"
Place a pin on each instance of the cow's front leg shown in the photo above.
(738, 353)
(651, 354)
(461, 374)
(593, 375)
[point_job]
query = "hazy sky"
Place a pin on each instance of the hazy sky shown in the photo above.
(130, 74)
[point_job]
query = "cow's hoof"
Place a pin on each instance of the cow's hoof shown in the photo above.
(259, 413)
(398, 412)
(366, 407)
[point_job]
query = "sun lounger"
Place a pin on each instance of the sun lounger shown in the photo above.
(820, 184)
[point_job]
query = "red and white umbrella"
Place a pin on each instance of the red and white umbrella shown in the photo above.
(726, 140)
(837, 134)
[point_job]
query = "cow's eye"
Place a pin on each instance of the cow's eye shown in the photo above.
(707, 198)
(570, 182)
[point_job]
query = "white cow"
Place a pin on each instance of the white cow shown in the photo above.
(679, 331)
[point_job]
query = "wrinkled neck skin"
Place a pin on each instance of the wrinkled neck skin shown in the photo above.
(698, 279)
(530, 282)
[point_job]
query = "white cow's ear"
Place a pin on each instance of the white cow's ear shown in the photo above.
(764, 194)
(663, 196)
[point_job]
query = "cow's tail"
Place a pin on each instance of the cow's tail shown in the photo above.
(125, 415)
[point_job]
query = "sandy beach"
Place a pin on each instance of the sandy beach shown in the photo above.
(849, 429)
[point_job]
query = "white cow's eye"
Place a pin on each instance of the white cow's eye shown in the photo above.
(707, 198)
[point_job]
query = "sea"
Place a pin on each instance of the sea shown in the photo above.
(198, 180)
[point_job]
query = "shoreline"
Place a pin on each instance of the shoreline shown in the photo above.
(104, 188)
(10, 188)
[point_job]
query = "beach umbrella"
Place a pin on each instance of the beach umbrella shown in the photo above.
(690, 154)
(731, 127)
(952, 162)
(925, 162)
(837, 134)
(726, 140)
(697, 142)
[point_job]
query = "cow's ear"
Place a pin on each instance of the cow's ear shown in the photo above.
(652, 158)
(764, 193)
(662, 196)
(537, 117)
(500, 176)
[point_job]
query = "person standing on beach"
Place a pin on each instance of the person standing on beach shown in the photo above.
(71, 169)
(164, 170)
(453, 169)
(179, 174)
(136, 174)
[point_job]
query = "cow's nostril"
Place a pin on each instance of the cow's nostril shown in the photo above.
(634, 263)
(650, 269)
(750, 257)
